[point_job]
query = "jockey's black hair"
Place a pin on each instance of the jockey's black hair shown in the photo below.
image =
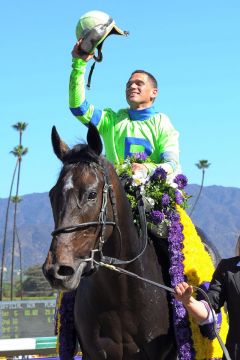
(151, 77)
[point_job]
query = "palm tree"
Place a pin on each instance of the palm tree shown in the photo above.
(20, 126)
(18, 151)
(202, 165)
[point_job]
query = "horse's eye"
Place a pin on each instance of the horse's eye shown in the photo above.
(92, 195)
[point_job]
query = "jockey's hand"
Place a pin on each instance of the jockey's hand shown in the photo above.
(140, 168)
(183, 292)
(77, 53)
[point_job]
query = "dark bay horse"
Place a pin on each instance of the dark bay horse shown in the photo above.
(116, 317)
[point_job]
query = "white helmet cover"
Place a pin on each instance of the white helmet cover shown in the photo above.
(94, 27)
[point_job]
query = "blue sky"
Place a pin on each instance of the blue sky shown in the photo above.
(192, 47)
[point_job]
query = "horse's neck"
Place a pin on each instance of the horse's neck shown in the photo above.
(129, 245)
(129, 235)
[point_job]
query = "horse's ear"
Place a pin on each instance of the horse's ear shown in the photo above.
(94, 139)
(59, 147)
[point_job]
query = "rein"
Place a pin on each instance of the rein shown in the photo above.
(172, 291)
(73, 228)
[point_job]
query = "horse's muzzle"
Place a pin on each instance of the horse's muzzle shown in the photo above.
(63, 276)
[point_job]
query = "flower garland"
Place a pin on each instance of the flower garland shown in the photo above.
(64, 326)
(159, 195)
(160, 198)
(165, 203)
(57, 318)
(183, 333)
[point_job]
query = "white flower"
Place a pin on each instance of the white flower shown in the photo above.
(148, 203)
(172, 184)
(136, 181)
(140, 178)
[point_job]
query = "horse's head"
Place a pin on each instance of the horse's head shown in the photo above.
(81, 208)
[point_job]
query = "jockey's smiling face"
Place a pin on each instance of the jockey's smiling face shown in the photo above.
(140, 91)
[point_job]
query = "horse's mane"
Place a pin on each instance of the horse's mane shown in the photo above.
(81, 153)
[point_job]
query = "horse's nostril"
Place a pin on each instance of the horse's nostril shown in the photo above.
(65, 271)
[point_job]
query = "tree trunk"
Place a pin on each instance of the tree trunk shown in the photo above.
(5, 232)
(14, 228)
(20, 265)
(201, 187)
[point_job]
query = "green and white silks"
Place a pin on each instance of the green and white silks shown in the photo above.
(126, 131)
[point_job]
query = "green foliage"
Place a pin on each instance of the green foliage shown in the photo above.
(124, 166)
(203, 164)
(16, 199)
(19, 151)
(6, 290)
(20, 126)
(158, 194)
(132, 200)
(35, 283)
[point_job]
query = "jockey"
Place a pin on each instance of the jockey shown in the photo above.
(139, 128)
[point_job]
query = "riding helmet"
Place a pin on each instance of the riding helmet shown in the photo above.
(94, 27)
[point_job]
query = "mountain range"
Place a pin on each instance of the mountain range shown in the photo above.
(217, 214)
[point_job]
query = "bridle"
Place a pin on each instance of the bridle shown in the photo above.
(97, 252)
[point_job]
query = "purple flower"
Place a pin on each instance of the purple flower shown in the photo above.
(67, 332)
(176, 228)
(159, 174)
(174, 216)
(140, 157)
(165, 199)
(176, 271)
(156, 216)
(181, 181)
(178, 197)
